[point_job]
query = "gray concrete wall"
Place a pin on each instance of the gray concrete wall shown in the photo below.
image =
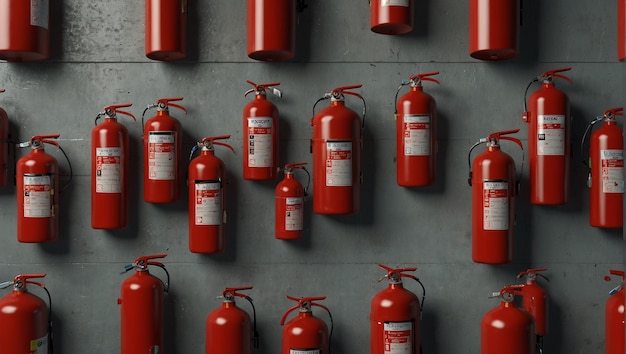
(98, 60)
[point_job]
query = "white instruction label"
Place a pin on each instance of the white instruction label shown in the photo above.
(108, 170)
(404, 3)
(162, 156)
(208, 203)
(39, 10)
(398, 337)
(551, 135)
(612, 171)
(39, 346)
(260, 142)
(37, 196)
(339, 164)
(294, 214)
(416, 129)
(496, 205)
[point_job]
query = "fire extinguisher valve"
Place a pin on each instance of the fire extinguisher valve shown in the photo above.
(532, 273)
(260, 89)
(112, 110)
(548, 76)
(619, 273)
(162, 105)
(209, 142)
(416, 80)
(611, 114)
(20, 281)
(507, 294)
(141, 265)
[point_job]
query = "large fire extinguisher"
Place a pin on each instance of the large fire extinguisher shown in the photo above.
(494, 29)
(261, 137)
(25, 319)
(306, 333)
(548, 116)
(621, 29)
(24, 30)
(336, 145)
(395, 315)
(289, 204)
(109, 170)
(614, 317)
(166, 29)
(606, 175)
(535, 301)
(507, 328)
(391, 16)
(494, 190)
(416, 134)
(162, 157)
(142, 307)
(228, 328)
(4, 147)
(207, 197)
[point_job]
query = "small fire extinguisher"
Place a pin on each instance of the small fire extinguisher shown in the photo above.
(391, 16)
(494, 29)
(228, 328)
(606, 175)
(336, 146)
(24, 30)
(416, 134)
(162, 157)
(207, 197)
(306, 333)
(25, 319)
(621, 30)
(548, 116)
(494, 190)
(507, 328)
(261, 137)
(109, 170)
(614, 316)
(395, 315)
(535, 301)
(4, 147)
(142, 307)
(166, 29)
(289, 204)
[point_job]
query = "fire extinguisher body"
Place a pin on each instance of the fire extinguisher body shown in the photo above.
(416, 139)
(261, 140)
(535, 302)
(494, 29)
(109, 175)
(271, 29)
(336, 149)
(391, 16)
(4, 148)
(507, 329)
(166, 29)
(228, 331)
(305, 333)
(394, 321)
(23, 323)
(614, 324)
(24, 30)
(289, 208)
(163, 145)
(37, 203)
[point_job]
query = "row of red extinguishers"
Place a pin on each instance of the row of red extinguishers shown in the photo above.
(395, 317)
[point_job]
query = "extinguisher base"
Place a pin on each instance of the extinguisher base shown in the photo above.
(166, 55)
(271, 55)
(392, 28)
(494, 54)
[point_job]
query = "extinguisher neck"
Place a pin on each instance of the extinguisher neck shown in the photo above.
(396, 284)
(337, 103)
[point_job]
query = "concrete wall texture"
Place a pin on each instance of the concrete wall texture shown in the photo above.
(98, 60)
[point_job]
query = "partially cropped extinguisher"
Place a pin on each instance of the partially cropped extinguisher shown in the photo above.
(142, 307)
(391, 16)
(416, 134)
(621, 29)
(395, 315)
(494, 190)
(606, 175)
(207, 197)
(163, 153)
(228, 328)
(494, 29)
(548, 116)
(166, 29)
(25, 319)
(306, 333)
(614, 317)
(535, 301)
(507, 328)
(109, 170)
(336, 146)
(289, 204)
(24, 30)
(4, 147)
(261, 137)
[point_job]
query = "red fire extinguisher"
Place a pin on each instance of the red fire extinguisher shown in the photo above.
(614, 317)
(395, 315)
(25, 319)
(336, 145)
(306, 333)
(109, 170)
(228, 328)
(391, 16)
(4, 147)
(416, 134)
(606, 175)
(166, 29)
(142, 307)
(506, 328)
(535, 301)
(289, 204)
(494, 29)
(261, 138)
(548, 116)
(207, 197)
(162, 158)
(621, 30)
(494, 190)
(24, 30)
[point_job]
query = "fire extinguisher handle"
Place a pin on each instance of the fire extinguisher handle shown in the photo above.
(617, 272)
(555, 73)
(425, 77)
(234, 291)
(617, 111)
(177, 106)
